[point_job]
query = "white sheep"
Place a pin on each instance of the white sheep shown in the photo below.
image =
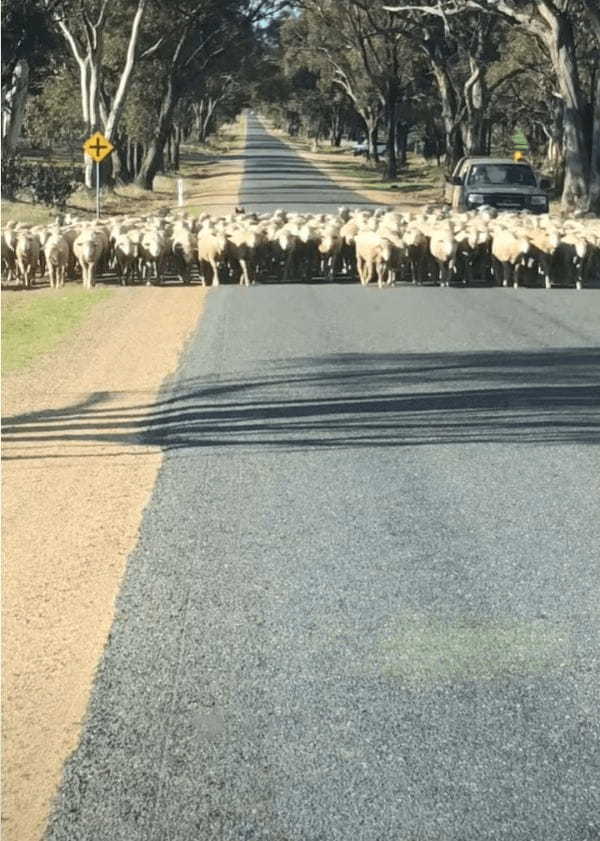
(56, 252)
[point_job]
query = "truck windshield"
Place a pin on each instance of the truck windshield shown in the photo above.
(493, 174)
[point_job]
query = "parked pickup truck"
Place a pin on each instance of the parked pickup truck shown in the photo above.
(498, 182)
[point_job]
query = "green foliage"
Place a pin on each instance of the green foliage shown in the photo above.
(45, 184)
(27, 33)
(53, 117)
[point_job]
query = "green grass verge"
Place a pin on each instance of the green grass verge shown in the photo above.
(34, 323)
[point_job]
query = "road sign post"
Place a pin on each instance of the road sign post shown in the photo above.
(97, 147)
(97, 190)
(180, 192)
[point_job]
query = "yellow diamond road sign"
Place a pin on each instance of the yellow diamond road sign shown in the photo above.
(97, 147)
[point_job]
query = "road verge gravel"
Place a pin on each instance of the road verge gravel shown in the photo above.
(74, 489)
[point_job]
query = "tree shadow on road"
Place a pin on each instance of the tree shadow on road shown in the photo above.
(349, 401)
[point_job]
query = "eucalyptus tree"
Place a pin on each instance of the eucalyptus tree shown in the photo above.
(29, 47)
(327, 36)
(190, 49)
(559, 26)
(86, 25)
(354, 43)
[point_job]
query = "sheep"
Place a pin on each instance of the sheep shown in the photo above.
(329, 246)
(508, 250)
(387, 258)
(56, 252)
(88, 249)
(371, 252)
(9, 257)
(348, 233)
(308, 248)
(27, 254)
(183, 247)
(543, 246)
(126, 251)
(578, 252)
(152, 250)
(433, 242)
(443, 246)
(415, 246)
(71, 234)
(240, 253)
(284, 249)
(211, 251)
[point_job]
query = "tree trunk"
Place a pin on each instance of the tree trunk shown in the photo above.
(122, 173)
(561, 45)
(152, 159)
(13, 107)
(130, 164)
(453, 141)
(199, 119)
(169, 150)
(372, 126)
(594, 191)
(554, 153)
(207, 117)
(177, 147)
(335, 136)
(402, 129)
(476, 101)
(391, 172)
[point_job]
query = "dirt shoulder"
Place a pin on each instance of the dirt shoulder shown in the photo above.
(73, 497)
(72, 504)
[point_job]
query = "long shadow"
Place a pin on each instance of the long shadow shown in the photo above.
(347, 401)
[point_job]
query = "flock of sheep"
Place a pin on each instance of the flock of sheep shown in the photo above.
(436, 246)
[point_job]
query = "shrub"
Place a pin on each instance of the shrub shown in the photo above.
(16, 176)
(46, 184)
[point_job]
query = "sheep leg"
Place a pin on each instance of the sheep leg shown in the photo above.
(578, 272)
(517, 275)
(443, 273)
(506, 273)
(244, 276)
(361, 268)
(215, 273)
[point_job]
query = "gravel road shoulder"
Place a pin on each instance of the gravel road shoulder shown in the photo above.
(73, 496)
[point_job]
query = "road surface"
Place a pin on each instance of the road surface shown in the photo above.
(276, 177)
(364, 603)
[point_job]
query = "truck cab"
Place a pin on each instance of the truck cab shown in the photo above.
(497, 182)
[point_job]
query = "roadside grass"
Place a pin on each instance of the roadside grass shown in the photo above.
(33, 325)
(198, 161)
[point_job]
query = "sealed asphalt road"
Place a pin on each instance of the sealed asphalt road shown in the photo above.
(364, 605)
